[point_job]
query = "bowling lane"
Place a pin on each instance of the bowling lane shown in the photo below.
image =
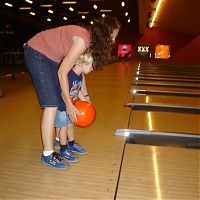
(165, 121)
(168, 100)
(172, 89)
(166, 85)
(150, 172)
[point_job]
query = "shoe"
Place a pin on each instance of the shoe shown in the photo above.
(56, 144)
(77, 148)
(69, 156)
(54, 160)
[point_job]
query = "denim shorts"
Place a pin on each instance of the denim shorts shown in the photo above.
(44, 75)
(62, 119)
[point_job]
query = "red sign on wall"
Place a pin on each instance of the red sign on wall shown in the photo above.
(124, 50)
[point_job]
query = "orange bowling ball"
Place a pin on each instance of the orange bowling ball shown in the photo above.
(88, 113)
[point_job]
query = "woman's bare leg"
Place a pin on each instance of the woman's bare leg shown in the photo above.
(47, 127)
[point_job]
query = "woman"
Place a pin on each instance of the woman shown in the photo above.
(50, 55)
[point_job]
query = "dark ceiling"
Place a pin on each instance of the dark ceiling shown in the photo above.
(14, 14)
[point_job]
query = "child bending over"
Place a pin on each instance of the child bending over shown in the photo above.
(77, 90)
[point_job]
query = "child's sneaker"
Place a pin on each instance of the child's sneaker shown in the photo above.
(68, 155)
(56, 144)
(54, 160)
(77, 148)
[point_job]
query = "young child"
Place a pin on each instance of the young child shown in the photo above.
(77, 90)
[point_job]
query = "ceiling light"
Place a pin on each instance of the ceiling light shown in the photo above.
(32, 13)
(123, 4)
(83, 12)
(105, 10)
(46, 5)
(83, 16)
(28, 1)
(69, 2)
(24, 8)
(156, 12)
(8, 4)
(95, 7)
(65, 18)
(91, 22)
(48, 19)
(126, 13)
(50, 11)
(71, 9)
(129, 21)
(103, 15)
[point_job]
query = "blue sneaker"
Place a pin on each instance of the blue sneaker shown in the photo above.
(77, 148)
(54, 160)
(69, 156)
(56, 144)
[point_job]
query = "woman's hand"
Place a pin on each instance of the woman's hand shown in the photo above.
(72, 112)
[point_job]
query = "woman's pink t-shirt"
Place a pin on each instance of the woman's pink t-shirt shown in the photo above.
(55, 43)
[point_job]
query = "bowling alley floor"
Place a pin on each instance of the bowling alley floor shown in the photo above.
(113, 169)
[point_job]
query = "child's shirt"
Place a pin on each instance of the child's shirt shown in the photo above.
(75, 83)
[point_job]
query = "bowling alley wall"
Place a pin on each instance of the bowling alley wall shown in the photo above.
(184, 48)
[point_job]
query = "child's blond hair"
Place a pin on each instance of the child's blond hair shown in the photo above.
(86, 58)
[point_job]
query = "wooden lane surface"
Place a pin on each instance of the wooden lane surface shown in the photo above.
(94, 177)
(159, 173)
(170, 100)
(165, 121)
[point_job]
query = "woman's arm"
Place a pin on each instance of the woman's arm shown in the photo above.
(76, 49)
(83, 97)
(83, 93)
(84, 87)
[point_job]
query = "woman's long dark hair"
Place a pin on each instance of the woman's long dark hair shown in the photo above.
(101, 41)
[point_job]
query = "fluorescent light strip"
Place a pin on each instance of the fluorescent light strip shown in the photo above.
(69, 2)
(46, 5)
(156, 12)
(24, 8)
(105, 10)
(83, 12)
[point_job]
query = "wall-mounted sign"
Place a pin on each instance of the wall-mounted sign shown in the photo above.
(124, 50)
(162, 51)
(143, 51)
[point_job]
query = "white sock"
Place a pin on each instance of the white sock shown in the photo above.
(48, 153)
(57, 138)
